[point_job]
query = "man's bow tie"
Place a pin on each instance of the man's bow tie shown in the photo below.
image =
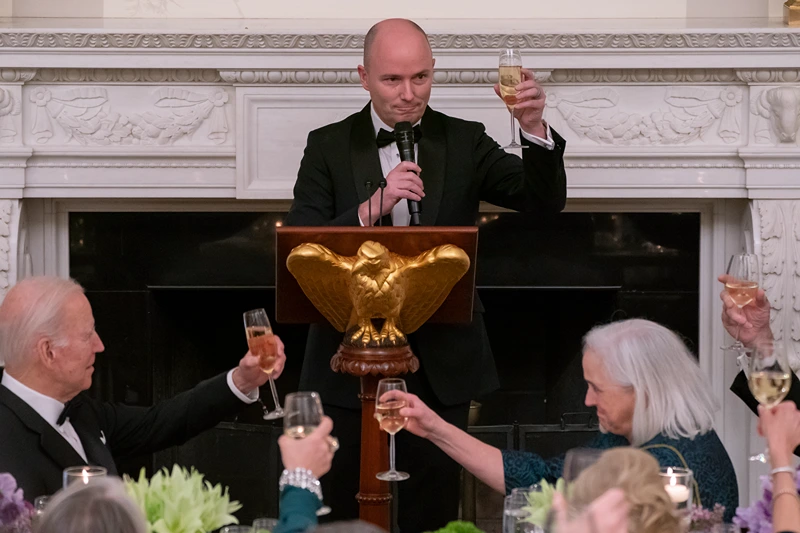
(385, 138)
(69, 408)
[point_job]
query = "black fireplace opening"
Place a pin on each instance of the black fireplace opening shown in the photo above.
(168, 291)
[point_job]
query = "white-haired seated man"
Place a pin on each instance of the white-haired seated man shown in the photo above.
(49, 343)
(649, 392)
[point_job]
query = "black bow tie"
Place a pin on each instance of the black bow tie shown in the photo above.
(69, 408)
(385, 138)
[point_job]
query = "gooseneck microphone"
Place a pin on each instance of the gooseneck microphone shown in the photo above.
(382, 185)
(368, 186)
(404, 136)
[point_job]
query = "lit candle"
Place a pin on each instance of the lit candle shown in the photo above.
(677, 493)
(85, 475)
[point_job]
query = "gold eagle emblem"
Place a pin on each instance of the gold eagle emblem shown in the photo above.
(356, 293)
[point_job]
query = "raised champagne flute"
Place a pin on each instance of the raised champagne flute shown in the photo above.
(387, 412)
(303, 414)
(262, 344)
(510, 75)
(742, 286)
(769, 380)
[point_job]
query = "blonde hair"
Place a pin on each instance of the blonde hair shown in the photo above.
(637, 474)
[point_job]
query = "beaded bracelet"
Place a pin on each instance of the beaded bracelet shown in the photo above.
(301, 478)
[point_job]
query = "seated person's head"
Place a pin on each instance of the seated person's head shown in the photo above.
(102, 506)
(645, 382)
(47, 336)
(637, 474)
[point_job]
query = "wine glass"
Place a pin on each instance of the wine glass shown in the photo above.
(387, 412)
(510, 75)
(769, 380)
(515, 511)
(577, 460)
(303, 414)
(742, 287)
(262, 344)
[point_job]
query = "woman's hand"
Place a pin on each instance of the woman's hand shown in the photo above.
(422, 420)
(315, 452)
(781, 427)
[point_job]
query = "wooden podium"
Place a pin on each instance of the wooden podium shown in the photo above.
(292, 306)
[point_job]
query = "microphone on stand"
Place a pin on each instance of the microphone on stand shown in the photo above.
(368, 185)
(404, 137)
(382, 185)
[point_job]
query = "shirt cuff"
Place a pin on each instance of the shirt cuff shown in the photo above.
(548, 143)
(360, 222)
(252, 397)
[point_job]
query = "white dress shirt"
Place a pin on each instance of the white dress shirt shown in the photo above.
(390, 158)
(50, 408)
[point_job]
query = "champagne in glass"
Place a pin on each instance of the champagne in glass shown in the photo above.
(770, 379)
(387, 412)
(303, 414)
(742, 286)
(510, 75)
(262, 344)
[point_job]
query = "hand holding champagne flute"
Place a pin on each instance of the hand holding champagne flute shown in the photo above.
(387, 411)
(304, 418)
(770, 378)
(262, 344)
(742, 285)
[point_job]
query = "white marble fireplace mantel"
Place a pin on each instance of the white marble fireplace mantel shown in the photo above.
(170, 114)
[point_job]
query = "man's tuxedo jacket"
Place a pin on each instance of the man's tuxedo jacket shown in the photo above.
(461, 166)
(36, 454)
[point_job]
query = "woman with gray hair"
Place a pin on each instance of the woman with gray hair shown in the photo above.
(649, 392)
(102, 506)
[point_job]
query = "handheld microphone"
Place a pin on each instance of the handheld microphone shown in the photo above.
(404, 137)
(368, 185)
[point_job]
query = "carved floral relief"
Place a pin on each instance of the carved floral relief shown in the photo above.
(692, 111)
(86, 115)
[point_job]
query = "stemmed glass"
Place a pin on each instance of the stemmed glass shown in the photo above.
(303, 414)
(742, 286)
(769, 380)
(387, 411)
(262, 344)
(510, 75)
(576, 461)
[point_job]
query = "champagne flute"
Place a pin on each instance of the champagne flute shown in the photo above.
(303, 414)
(387, 412)
(510, 75)
(262, 344)
(742, 287)
(769, 380)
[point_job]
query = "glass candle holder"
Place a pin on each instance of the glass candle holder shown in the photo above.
(264, 525)
(679, 484)
(82, 474)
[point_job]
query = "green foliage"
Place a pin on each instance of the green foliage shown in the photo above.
(182, 502)
(459, 526)
(539, 503)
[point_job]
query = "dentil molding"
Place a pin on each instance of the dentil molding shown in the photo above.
(27, 39)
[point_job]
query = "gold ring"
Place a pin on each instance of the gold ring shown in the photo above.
(333, 444)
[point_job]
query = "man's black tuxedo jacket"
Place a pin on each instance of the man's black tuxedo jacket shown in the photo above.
(36, 454)
(461, 166)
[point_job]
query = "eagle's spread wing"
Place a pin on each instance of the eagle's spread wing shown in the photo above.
(324, 277)
(429, 278)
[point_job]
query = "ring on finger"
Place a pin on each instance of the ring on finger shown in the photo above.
(333, 444)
